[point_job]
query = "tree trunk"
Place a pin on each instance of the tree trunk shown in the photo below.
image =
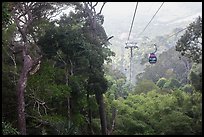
(27, 65)
(91, 11)
(68, 112)
(99, 98)
(113, 121)
(90, 131)
(21, 104)
(68, 99)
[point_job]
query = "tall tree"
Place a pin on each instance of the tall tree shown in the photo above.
(190, 44)
(72, 46)
(24, 15)
(97, 80)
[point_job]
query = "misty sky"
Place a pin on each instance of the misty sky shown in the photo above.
(170, 10)
(119, 13)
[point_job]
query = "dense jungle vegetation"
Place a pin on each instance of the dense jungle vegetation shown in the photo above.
(57, 77)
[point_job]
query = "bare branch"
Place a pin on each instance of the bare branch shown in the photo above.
(61, 58)
(95, 5)
(22, 20)
(39, 120)
(101, 8)
(24, 9)
(18, 25)
(87, 10)
(89, 3)
(37, 61)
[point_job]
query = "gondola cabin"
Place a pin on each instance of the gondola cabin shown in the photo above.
(152, 58)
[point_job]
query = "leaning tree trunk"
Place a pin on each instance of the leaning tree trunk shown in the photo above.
(23, 18)
(27, 65)
(24, 15)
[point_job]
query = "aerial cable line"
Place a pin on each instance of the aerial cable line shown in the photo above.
(177, 32)
(151, 19)
(173, 35)
(132, 21)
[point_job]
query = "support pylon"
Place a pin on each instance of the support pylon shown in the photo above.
(131, 45)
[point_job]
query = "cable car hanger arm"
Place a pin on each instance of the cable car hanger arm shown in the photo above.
(155, 48)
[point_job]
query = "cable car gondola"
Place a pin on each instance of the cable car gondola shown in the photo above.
(153, 57)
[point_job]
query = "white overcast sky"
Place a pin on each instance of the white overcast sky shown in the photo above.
(122, 12)
(169, 10)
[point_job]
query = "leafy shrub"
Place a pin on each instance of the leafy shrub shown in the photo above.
(7, 129)
(145, 86)
(172, 84)
(188, 88)
(160, 83)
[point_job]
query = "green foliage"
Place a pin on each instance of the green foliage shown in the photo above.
(169, 65)
(172, 84)
(160, 83)
(97, 83)
(9, 81)
(195, 76)
(80, 53)
(59, 91)
(57, 124)
(96, 126)
(48, 44)
(145, 86)
(169, 73)
(7, 129)
(45, 82)
(48, 86)
(175, 123)
(190, 44)
(188, 88)
(7, 34)
(159, 114)
(6, 14)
